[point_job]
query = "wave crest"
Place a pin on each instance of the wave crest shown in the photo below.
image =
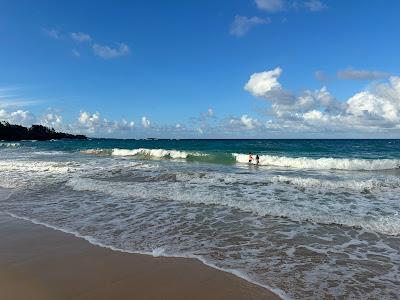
(328, 163)
(323, 163)
(9, 145)
(157, 153)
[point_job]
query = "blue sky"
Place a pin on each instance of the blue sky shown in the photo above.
(183, 68)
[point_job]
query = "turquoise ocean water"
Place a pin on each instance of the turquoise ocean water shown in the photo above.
(315, 218)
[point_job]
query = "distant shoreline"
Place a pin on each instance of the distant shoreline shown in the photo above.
(10, 132)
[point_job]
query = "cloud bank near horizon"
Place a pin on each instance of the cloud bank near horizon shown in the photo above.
(372, 112)
(376, 109)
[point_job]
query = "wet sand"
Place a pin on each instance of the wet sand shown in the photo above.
(37, 262)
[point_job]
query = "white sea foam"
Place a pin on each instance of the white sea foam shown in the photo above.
(361, 184)
(9, 145)
(305, 211)
(157, 153)
(150, 153)
(225, 216)
(323, 163)
(37, 166)
(355, 185)
(156, 252)
(96, 151)
(328, 163)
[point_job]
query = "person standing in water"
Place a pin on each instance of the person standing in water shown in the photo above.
(257, 159)
(250, 158)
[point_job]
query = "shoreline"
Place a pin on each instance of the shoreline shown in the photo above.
(49, 263)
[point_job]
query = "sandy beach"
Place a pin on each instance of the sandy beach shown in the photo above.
(37, 262)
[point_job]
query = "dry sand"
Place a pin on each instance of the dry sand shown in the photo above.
(37, 262)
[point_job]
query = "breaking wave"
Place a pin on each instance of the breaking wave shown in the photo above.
(9, 145)
(328, 163)
(156, 153)
(325, 163)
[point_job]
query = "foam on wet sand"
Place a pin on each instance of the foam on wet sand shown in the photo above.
(37, 262)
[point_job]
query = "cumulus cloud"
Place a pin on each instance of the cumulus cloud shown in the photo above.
(27, 118)
(352, 74)
(382, 103)
(271, 5)
(108, 52)
(244, 121)
(145, 122)
(242, 24)
(284, 103)
(374, 109)
(19, 116)
(81, 37)
(51, 120)
(204, 122)
(94, 123)
(260, 84)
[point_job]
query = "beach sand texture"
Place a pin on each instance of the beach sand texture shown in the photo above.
(37, 262)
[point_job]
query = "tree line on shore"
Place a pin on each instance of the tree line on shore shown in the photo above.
(10, 132)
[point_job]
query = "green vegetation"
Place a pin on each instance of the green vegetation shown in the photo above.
(9, 132)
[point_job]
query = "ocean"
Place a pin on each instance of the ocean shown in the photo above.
(315, 219)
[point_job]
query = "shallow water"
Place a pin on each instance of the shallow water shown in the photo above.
(314, 219)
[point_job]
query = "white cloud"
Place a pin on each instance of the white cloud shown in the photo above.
(127, 124)
(86, 118)
(205, 116)
(51, 120)
(315, 5)
(376, 109)
(244, 121)
(93, 123)
(145, 122)
(271, 5)
(81, 37)
(373, 105)
(313, 115)
(19, 116)
(264, 82)
(241, 24)
(352, 74)
(108, 52)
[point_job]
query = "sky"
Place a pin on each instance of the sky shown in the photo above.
(203, 69)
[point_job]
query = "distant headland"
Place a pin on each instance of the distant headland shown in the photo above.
(10, 132)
